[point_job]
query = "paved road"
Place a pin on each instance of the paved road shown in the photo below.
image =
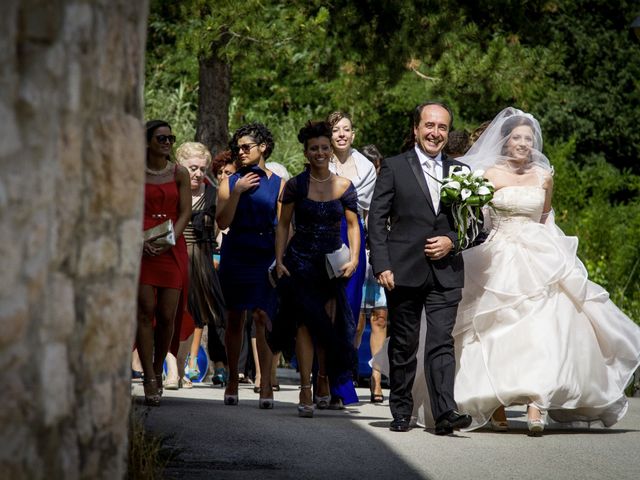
(210, 440)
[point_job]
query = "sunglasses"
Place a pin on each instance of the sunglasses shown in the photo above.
(166, 138)
(246, 147)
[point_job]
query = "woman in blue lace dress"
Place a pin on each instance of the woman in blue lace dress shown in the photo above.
(248, 206)
(314, 310)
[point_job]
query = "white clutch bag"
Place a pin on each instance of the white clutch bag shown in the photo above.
(336, 260)
(161, 235)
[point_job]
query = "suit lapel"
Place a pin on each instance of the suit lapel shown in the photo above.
(414, 163)
(446, 165)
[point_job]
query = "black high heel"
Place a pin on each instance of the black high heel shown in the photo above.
(220, 376)
(376, 398)
(151, 393)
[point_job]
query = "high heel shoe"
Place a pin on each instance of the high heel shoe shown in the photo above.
(499, 425)
(192, 373)
(376, 398)
(230, 399)
(535, 425)
(151, 393)
(265, 403)
(220, 376)
(172, 383)
(322, 402)
(305, 410)
(159, 384)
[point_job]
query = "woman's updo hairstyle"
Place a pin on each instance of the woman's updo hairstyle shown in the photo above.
(259, 133)
(314, 130)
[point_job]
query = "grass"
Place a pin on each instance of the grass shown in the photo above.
(147, 459)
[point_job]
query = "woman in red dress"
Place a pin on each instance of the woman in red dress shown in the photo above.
(164, 269)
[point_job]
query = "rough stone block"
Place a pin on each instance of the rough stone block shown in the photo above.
(130, 247)
(56, 385)
(98, 256)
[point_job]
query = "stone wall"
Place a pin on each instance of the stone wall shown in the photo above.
(71, 193)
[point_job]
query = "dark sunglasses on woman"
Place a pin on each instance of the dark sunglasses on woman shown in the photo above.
(166, 138)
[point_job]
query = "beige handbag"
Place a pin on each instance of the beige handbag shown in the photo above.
(161, 235)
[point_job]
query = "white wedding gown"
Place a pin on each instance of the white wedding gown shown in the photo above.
(531, 328)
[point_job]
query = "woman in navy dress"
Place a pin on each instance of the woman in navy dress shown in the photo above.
(314, 310)
(248, 205)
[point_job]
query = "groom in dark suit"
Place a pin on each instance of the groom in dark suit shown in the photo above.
(412, 239)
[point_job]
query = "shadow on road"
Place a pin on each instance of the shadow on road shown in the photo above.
(206, 439)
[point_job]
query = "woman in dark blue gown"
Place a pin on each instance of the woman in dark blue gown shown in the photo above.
(314, 311)
(248, 205)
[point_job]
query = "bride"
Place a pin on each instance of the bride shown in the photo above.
(531, 328)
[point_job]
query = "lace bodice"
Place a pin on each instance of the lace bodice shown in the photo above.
(515, 206)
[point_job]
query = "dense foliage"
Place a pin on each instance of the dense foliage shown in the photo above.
(571, 63)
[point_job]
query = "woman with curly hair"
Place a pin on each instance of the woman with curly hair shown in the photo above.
(248, 205)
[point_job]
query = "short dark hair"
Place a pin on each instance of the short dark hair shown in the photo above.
(152, 125)
(372, 153)
(259, 133)
(314, 130)
(458, 143)
(417, 112)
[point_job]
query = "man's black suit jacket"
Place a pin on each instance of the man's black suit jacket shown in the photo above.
(402, 217)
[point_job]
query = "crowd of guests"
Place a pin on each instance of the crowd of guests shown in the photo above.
(248, 265)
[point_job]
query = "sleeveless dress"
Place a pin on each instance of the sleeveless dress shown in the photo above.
(248, 248)
(206, 304)
(169, 270)
(305, 293)
(531, 327)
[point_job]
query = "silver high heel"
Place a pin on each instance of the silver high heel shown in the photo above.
(305, 411)
(322, 403)
(536, 425)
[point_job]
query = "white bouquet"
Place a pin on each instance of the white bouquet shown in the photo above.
(466, 192)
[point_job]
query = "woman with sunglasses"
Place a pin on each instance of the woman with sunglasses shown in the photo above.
(248, 205)
(164, 272)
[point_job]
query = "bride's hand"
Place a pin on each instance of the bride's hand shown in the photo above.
(438, 247)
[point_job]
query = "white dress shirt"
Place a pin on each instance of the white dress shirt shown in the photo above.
(431, 167)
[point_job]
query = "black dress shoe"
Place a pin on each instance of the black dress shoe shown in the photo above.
(400, 423)
(452, 421)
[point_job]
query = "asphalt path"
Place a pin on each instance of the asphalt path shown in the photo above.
(207, 440)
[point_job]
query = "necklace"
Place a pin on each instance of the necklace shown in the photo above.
(162, 171)
(518, 168)
(318, 180)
